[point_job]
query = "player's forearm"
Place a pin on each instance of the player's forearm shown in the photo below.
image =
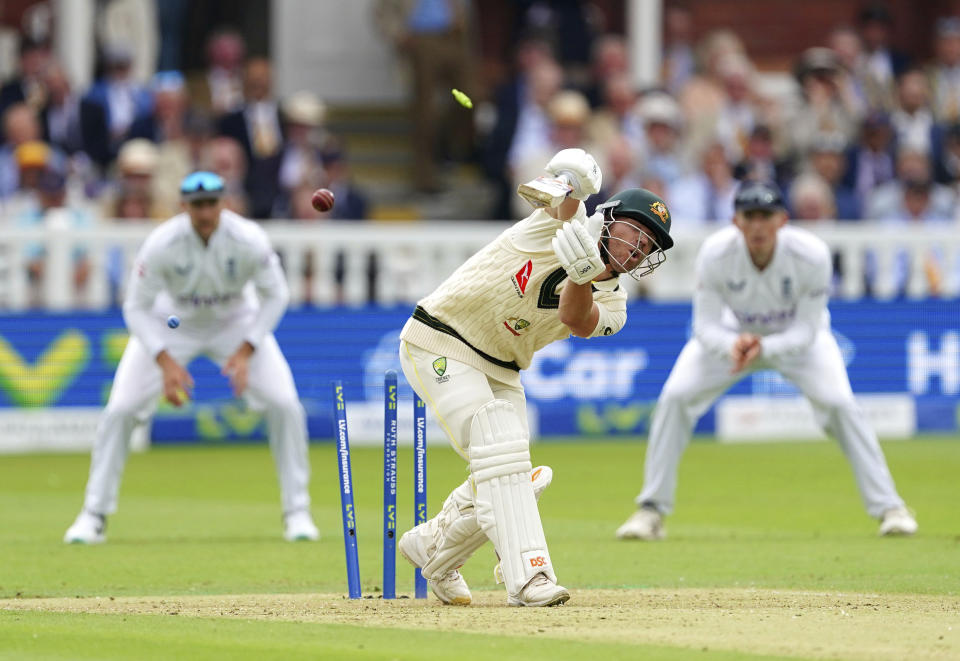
(270, 314)
(795, 338)
(577, 310)
(713, 335)
(145, 327)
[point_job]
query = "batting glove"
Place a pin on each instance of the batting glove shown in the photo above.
(578, 253)
(581, 170)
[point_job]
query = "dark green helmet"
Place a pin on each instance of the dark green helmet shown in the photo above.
(643, 206)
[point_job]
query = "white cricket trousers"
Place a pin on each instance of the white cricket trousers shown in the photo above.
(698, 378)
(138, 385)
(457, 394)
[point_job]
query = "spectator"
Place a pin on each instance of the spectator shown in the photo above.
(28, 86)
(944, 73)
(532, 135)
(828, 160)
(76, 126)
(921, 202)
(225, 157)
(30, 159)
(619, 174)
(856, 88)
(947, 167)
(900, 199)
(821, 108)
(434, 36)
(569, 113)
(300, 165)
(616, 118)
(811, 199)
(166, 127)
(256, 126)
(913, 123)
(52, 211)
(703, 96)
(136, 172)
(610, 58)
(883, 64)
(123, 99)
(20, 125)
(706, 196)
(760, 163)
(873, 163)
(738, 114)
(510, 100)
(678, 58)
(219, 90)
(662, 121)
(351, 201)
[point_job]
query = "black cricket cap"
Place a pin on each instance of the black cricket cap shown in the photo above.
(754, 195)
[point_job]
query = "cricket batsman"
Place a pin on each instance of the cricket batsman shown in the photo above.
(761, 303)
(552, 274)
(218, 274)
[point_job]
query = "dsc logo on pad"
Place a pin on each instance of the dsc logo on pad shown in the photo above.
(539, 561)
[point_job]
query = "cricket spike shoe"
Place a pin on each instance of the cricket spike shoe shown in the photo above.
(299, 527)
(897, 521)
(646, 524)
(450, 588)
(89, 528)
(540, 591)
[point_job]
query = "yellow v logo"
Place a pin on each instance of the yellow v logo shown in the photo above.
(42, 383)
(243, 422)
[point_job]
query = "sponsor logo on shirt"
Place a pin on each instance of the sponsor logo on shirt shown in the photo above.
(736, 286)
(198, 301)
(516, 325)
(184, 269)
(770, 318)
(786, 287)
(522, 278)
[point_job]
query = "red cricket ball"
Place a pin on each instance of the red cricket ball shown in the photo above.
(322, 200)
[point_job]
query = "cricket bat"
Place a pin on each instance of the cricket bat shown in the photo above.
(546, 191)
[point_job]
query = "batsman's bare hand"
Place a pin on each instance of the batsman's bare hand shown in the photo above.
(746, 349)
(177, 382)
(237, 368)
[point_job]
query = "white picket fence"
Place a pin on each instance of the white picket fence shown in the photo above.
(412, 258)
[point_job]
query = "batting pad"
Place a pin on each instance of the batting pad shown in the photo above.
(457, 534)
(504, 501)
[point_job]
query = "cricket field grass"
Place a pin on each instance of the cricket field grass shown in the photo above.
(769, 556)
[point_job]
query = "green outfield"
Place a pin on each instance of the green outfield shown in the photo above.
(769, 555)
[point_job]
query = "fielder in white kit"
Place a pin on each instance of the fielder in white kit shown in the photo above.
(553, 274)
(761, 303)
(218, 273)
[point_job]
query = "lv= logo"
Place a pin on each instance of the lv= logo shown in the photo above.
(41, 383)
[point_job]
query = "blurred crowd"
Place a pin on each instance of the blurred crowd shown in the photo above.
(120, 148)
(856, 131)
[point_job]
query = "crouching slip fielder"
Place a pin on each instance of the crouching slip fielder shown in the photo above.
(219, 274)
(761, 303)
(552, 274)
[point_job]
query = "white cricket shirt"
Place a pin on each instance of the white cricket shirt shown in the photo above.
(786, 302)
(235, 275)
(500, 307)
